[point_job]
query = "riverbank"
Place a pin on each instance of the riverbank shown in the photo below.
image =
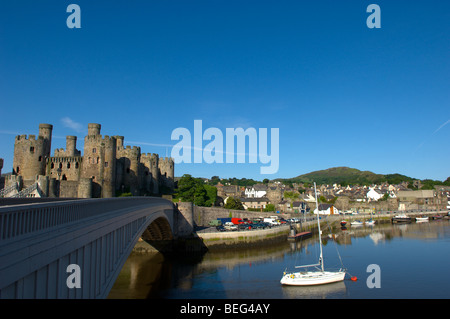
(246, 238)
(211, 239)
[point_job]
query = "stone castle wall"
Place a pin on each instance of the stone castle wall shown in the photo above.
(105, 167)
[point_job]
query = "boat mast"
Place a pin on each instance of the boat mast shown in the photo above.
(318, 227)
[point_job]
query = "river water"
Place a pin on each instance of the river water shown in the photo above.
(413, 261)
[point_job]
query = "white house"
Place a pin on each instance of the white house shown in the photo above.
(256, 191)
(374, 194)
(326, 209)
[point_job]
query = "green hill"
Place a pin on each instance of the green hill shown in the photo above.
(347, 176)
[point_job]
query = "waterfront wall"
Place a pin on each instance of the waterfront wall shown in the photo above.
(236, 239)
(203, 215)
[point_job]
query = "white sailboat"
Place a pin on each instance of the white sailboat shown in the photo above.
(318, 276)
(421, 219)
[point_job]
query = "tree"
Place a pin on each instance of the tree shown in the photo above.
(186, 188)
(211, 194)
(447, 182)
(234, 203)
(291, 195)
(214, 180)
(200, 196)
(195, 190)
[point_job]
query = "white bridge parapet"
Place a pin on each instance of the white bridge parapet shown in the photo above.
(39, 241)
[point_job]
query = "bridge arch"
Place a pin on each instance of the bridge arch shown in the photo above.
(39, 241)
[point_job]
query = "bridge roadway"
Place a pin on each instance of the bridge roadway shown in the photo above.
(39, 241)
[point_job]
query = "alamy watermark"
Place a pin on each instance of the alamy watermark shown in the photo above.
(214, 151)
(374, 279)
(74, 19)
(74, 279)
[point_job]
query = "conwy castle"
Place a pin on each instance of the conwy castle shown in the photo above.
(106, 169)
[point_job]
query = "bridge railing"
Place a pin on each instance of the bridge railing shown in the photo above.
(18, 221)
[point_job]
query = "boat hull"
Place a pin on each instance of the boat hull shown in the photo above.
(401, 219)
(311, 278)
(300, 235)
(421, 219)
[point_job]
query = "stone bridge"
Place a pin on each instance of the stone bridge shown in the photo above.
(76, 248)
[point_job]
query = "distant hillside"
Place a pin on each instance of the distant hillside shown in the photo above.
(347, 176)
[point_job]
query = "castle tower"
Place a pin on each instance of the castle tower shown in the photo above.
(30, 153)
(94, 129)
(167, 171)
(71, 145)
(147, 179)
(128, 173)
(45, 130)
(154, 169)
(99, 162)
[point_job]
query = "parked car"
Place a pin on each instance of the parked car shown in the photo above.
(272, 221)
(230, 226)
(261, 225)
(244, 227)
(220, 228)
(215, 222)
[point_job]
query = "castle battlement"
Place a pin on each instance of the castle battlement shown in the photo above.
(27, 138)
(149, 155)
(166, 159)
(136, 148)
(99, 138)
(130, 152)
(58, 159)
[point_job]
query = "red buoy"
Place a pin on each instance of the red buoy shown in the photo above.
(354, 278)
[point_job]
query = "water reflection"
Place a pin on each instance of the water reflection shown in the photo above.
(255, 272)
(142, 277)
(334, 290)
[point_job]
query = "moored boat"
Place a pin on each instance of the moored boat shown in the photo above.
(300, 235)
(313, 277)
(370, 222)
(356, 223)
(343, 223)
(401, 218)
(421, 219)
(309, 278)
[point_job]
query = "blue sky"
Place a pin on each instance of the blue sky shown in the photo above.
(340, 93)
